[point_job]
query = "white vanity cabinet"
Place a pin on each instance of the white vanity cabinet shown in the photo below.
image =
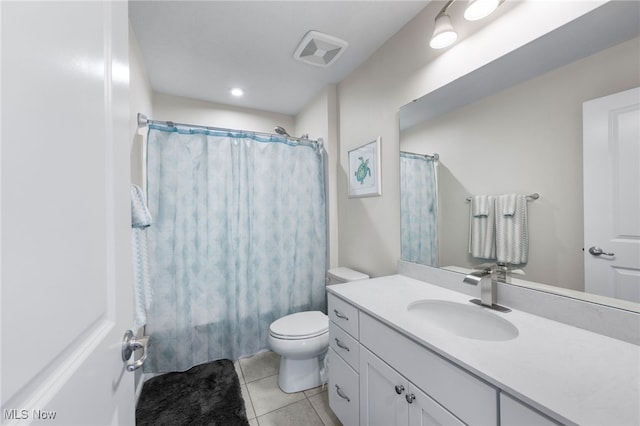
(550, 373)
(377, 376)
(463, 395)
(388, 398)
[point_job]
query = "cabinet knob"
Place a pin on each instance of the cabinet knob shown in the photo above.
(399, 389)
(410, 397)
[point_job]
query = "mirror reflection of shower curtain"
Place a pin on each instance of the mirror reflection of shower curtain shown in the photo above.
(239, 240)
(418, 209)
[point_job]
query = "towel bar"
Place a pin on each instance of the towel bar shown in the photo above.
(533, 196)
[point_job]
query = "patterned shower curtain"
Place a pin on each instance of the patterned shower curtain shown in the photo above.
(239, 240)
(418, 209)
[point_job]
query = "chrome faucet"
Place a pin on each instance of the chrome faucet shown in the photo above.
(485, 279)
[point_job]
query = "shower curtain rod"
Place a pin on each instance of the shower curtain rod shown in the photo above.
(533, 196)
(143, 121)
(435, 156)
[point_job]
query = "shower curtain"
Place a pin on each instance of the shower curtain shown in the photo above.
(239, 240)
(418, 209)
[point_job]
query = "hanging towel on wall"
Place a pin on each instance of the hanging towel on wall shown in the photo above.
(512, 235)
(140, 220)
(509, 202)
(482, 227)
(140, 215)
(481, 205)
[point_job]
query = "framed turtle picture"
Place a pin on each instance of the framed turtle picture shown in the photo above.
(364, 170)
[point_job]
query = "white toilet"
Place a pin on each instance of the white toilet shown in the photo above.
(302, 340)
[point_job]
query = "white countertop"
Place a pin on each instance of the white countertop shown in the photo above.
(572, 375)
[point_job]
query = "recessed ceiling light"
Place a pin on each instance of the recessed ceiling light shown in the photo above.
(237, 92)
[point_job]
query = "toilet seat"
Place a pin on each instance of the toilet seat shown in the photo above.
(301, 325)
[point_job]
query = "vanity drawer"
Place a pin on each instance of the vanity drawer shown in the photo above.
(344, 315)
(344, 390)
(468, 397)
(344, 345)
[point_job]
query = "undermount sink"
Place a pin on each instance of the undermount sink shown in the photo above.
(471, 321)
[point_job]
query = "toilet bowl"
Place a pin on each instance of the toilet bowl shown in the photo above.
(302, 340)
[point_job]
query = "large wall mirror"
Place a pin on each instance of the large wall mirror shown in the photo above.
(516, 126)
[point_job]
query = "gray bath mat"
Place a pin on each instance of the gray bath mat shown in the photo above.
(207, 394)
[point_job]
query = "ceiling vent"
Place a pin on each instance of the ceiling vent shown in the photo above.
(319, 49)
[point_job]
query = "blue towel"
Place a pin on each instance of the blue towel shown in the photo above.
(140, 220)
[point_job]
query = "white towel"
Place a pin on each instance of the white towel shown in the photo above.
(482, 227)
(509, 204)
(140, 220)
(512, 235)
(140, 215)
(480, 205)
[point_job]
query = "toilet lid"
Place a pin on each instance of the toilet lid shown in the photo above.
(300, 325)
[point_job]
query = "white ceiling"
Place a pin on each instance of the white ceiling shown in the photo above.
(201, 49)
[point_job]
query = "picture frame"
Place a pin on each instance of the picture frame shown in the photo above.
(364, 170)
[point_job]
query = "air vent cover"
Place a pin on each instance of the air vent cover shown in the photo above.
(319, 49)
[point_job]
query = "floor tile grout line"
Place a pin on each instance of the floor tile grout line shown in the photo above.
(246, 385)
(286, 405)
(316, 411)
(304, 394)
(295, 402)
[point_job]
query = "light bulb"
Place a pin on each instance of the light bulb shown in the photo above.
(479, 9)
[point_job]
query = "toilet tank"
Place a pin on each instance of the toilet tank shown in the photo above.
(343, 275)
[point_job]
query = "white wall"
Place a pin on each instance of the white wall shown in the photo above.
(400, 71)
(320, 120)
(193, 111)
(525, 139)
(140, 100)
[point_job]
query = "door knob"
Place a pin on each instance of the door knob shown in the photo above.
(129, 345)
(597, 251)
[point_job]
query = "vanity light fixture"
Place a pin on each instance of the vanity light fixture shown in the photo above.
(445, 35)
(237, 92)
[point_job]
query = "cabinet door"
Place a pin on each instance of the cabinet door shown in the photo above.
(424, 411)
(382, 393)
(471, 399)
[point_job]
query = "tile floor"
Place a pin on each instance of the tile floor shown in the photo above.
(267, 405)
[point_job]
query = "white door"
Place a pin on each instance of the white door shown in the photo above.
(65, 226)
(611, 150)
